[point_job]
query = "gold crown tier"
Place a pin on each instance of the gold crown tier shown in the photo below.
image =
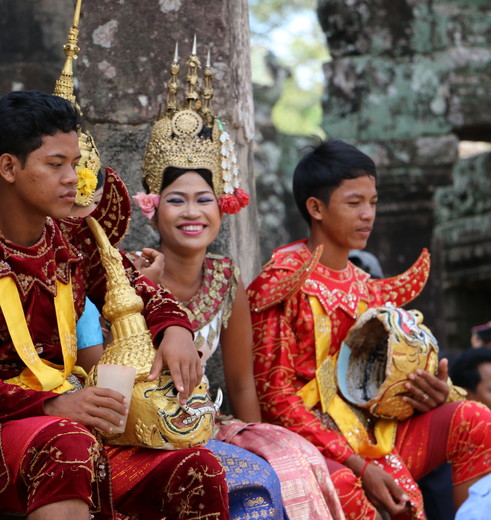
(155, 418)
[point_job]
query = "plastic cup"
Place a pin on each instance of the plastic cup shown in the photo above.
(120, 378)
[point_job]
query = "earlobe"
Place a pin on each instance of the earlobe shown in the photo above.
(7, 167)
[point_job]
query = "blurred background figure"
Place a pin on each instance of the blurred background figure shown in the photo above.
(472, 370)
(366, 261)
(481, 335)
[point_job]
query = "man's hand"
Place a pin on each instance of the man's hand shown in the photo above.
(382, 491)
(428, 391)
(93, 407)
(178, 353)
(380, 488)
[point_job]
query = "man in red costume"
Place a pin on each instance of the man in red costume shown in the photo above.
(303, 304)
(52, 465)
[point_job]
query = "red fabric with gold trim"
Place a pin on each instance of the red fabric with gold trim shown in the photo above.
(284, 341)
(67, 249)
(294, 268)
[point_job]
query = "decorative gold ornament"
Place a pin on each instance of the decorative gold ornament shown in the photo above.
(64, 87)
(191, 137)
(382, 348)
(155, 419)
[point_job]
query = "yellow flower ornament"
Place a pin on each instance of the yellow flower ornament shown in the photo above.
(86, 185)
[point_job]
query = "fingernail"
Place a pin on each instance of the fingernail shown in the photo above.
(419, 372)
(121, 422)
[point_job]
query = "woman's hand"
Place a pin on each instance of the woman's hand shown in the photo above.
(151, 264)
(428, 391)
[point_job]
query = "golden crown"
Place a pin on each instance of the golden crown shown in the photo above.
(191, 137)
(90, 161)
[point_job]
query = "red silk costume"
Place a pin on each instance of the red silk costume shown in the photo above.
(281, 300)
(144, 481)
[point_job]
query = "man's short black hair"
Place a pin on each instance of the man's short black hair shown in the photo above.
(324, 167)
(27, 116)
(464, 370)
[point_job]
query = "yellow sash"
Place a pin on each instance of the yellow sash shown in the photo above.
(40, 374)
(323, 388)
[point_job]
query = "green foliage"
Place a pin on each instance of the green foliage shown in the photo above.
(273, 13)
(291, 32)
(295, 113)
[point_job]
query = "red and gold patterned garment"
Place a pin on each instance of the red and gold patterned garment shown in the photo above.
(301, 312)
(60, 458)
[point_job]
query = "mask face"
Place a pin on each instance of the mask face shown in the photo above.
(383, 347)
(157, 420)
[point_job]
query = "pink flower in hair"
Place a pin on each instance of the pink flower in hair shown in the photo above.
(147, 202)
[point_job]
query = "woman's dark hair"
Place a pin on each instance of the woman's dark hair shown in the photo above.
(464, 371)
(27, 116)
(324, 167)
(171, 174)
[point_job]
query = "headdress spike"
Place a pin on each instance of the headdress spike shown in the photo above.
(207, 92)
(76, 14)
(173, 85)
(193, 52)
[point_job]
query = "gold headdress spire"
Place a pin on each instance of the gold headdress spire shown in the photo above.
(207, 92)
(64, 85)
(132, 344)
(90, 161)
(190, 137)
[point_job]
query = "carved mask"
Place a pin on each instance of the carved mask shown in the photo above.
(156, 419)
(382, 348)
